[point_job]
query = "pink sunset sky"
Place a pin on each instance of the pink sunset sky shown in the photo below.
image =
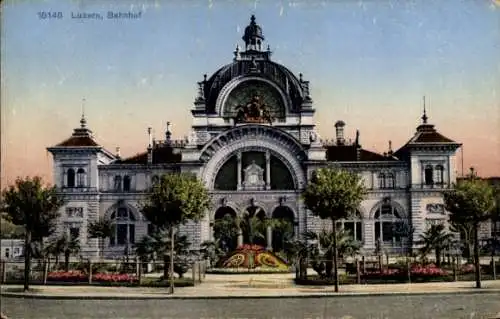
(369, 64)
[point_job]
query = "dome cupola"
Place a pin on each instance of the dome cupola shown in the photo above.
(253, 36)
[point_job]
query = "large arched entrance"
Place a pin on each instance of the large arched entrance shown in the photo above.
(283, 227)
(253, 157)
(226, 228)
(253, 170)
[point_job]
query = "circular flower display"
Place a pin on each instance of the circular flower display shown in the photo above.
(253, 256)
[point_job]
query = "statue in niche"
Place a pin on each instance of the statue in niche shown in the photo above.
(253, 177)
(255, 111)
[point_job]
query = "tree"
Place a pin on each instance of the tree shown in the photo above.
(495, 219)
(69, 246)
(346, 246)
(211, 250)
(225, 231)
(10, 231)
(437, 239)
(333, 194)
(466, 232)
(471, 202)
(174, 200)
(282, 233)
(101, 229)
(35, 206)
(145, 249)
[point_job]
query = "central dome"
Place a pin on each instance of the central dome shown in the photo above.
(276, 73)
(253, 65)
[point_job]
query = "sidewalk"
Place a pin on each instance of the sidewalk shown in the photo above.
(253, 287)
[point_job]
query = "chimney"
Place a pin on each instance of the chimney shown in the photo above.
(118, 152)
(358, 147)
(150, 146)
(390, 152)
(339, 130)
(168, 135)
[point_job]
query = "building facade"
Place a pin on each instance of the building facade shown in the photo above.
(254, 143)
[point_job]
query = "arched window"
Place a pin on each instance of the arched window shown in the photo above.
(70, 178)
(386, 180)
(439, 174)
(80, 177)
(389, 180)
(126, 183)
(387, 224)
(353, 226)
(124, 226)
(118, 183)
(381, 180)
(428, 172)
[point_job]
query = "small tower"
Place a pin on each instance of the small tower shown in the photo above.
(390, 151)
(253, 36)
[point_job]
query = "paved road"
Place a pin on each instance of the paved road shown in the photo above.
(472, 306)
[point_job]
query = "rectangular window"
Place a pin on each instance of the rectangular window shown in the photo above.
(377, 231)
(131, 237)
(151, 229)
(387, 232)
(381, 181)
(121, 234)
(359, 231)
(349, 227)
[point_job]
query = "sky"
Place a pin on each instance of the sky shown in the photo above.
(369, 64)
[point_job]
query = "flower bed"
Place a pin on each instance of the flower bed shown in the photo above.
(257, 270)
(67, 276)
(417, 272)
(79, 276)
(252, 257)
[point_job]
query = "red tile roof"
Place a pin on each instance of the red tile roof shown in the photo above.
(161, 155)
(426, 133)
(351, 153)
(81, 137)
(78, 141)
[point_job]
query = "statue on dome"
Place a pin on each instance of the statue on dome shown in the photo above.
(255, 111)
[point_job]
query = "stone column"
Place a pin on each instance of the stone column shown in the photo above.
(238, 156)
(211, 232)
(269, 238)
(240, 237)
(268, 170)
(64, 178)
(368, 234)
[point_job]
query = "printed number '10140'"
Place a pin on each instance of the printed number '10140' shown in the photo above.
(50, 15)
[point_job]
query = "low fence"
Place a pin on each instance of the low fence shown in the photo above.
(380, 270)
(111, 272)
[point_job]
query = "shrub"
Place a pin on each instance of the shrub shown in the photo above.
(67, 276)
(467, 269)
